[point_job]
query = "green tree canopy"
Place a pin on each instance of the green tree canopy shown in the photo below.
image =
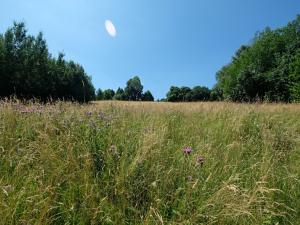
(134, 89)
(186, 94)
(108, 94)
(200, 93)
(147, 97)
(27, 70)
(99, 94)
(265, 70)
(120, 95)
(174, 94)
(132, 92)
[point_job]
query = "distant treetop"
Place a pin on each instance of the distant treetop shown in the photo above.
(132, 92)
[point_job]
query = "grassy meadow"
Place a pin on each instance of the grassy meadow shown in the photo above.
(127, 163)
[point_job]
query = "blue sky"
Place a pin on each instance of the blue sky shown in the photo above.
(164, 42)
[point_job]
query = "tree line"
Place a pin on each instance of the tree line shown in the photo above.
(186, 94)
(268, 69)
(27, 70)
(132, 92)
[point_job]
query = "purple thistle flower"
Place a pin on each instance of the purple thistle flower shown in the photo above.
(89, 113)
(200, 160)
(101, 115)
(187, 150)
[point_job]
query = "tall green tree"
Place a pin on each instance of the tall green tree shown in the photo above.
(27, 70)
(186, 94)
(147, 97)
(134, 89)
(266, 69)
(99, 94)
(200, 93)
(216, 94)
(120, 95)
(295, 77)
(174, 94)
(108, 94)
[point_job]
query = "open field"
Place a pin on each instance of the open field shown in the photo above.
(129, 163)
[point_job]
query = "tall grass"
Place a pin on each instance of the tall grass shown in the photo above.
(123, 163)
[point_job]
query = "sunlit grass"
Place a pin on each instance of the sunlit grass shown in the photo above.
(124, 163)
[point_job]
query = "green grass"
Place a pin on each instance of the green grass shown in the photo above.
(123, 163)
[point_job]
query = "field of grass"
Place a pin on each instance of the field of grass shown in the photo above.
(130, 163)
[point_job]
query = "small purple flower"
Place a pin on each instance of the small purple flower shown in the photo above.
(101, 115)
(89, 113)
(200, 160)
(187, 150)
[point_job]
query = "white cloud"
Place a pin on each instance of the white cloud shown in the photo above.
(110, 28)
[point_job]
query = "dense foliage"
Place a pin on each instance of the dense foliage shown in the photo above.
(266, 70)
(132, 92)
(186, 94)
(27, 70)
(147, 97)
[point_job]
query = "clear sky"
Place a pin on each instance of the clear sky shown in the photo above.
(164, 42)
